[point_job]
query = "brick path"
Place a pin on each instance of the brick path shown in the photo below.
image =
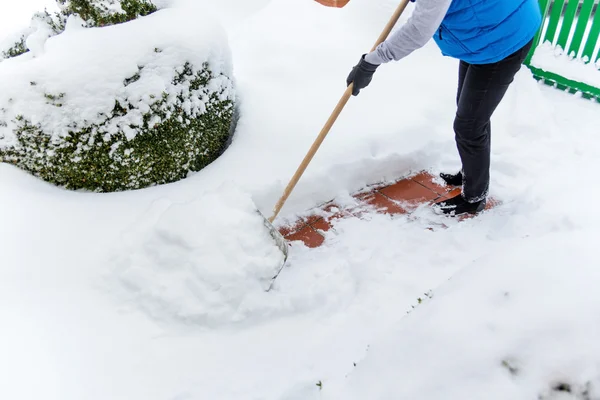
(400, 197)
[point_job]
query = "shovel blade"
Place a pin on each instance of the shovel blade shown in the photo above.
(281, 243)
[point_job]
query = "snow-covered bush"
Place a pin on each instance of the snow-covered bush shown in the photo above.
(121, 107)
(106, 12)
(94, 13)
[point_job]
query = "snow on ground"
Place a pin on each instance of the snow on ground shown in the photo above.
(513, 324)
(70, 331)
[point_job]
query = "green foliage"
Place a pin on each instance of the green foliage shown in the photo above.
(16, 50)
(428, 295)
(100, 12)
(169, 145)
(511, 366)
(55, 100)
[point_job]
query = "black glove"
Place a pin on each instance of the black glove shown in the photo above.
(361, 75)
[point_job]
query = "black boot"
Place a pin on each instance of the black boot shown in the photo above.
(452, 179)
(458, 205)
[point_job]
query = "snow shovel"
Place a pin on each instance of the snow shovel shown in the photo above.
(279, 239)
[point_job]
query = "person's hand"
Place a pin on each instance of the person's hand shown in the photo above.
(361, 75)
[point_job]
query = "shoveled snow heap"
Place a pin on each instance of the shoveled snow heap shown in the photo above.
(202, 262)
(85, 86)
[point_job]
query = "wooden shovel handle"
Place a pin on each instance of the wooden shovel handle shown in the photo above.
(334, 115)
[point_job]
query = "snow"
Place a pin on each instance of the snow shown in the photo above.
(204, 262)
(87, 68)
(509, 325)
(36, 39)
(17, 16)
(71, 325)
(553, 59)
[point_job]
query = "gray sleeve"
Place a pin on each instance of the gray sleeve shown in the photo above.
(414, 34)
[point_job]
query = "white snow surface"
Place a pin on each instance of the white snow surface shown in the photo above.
(509, 325)
(80, 320)
(85, 70)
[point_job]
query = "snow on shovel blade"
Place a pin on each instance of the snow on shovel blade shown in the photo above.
(279, 241)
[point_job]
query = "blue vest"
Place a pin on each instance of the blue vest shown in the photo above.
(486, 31)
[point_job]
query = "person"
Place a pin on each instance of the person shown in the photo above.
(491, 39)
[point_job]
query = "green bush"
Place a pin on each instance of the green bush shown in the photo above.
(105, 12)
(168, 145)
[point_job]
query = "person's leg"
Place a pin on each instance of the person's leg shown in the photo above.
(483, 88)
(457, 178)
(463, 68)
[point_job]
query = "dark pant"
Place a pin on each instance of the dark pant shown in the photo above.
(481, 87)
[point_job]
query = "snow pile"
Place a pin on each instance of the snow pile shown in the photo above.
(83, 97)
(202, 263)
(554, 59)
